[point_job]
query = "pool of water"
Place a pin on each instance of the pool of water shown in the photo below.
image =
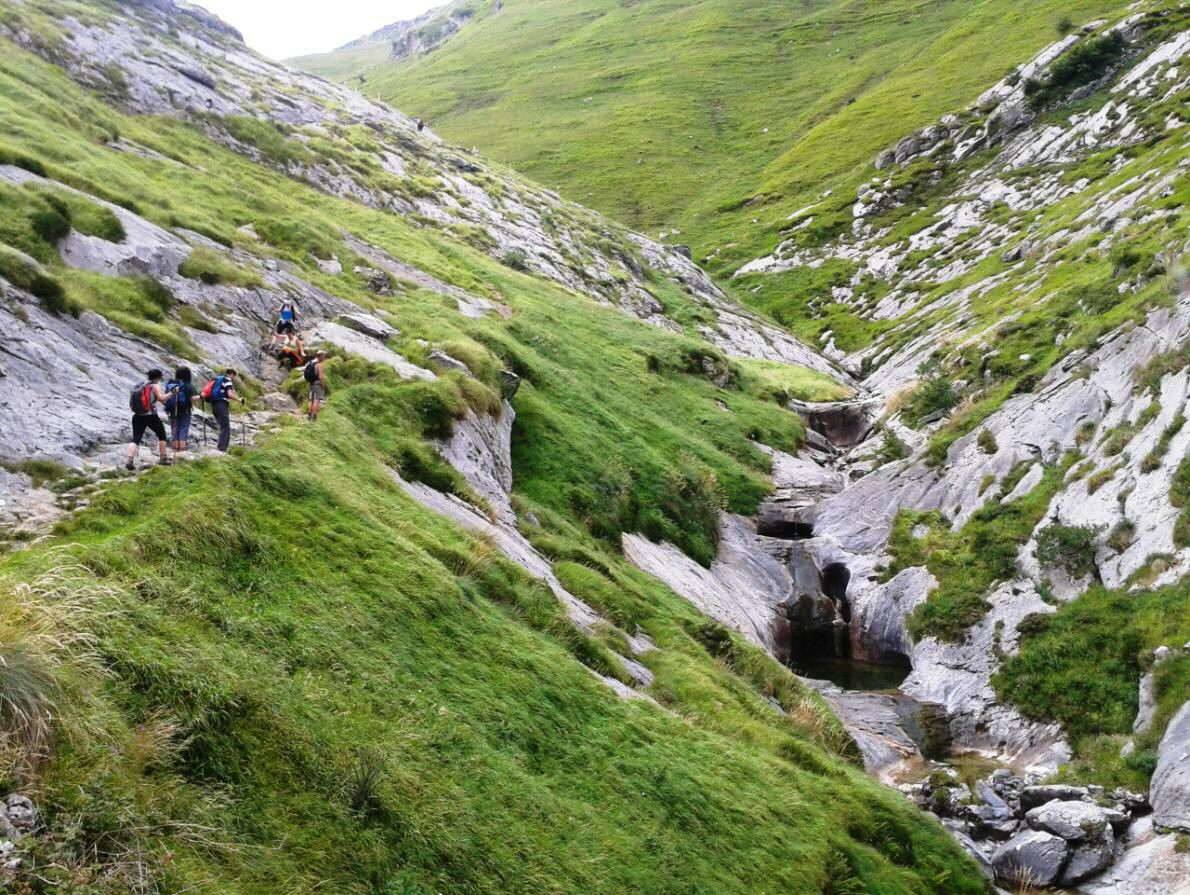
(851, 674)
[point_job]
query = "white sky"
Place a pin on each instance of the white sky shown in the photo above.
(284, 28)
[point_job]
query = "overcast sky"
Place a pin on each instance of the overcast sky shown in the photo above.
(283, 28)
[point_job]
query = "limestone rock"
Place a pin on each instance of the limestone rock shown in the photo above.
(1170, 787)
(1031, 857)
(1034, 796)
(1073, 821)
(444, 363)
(369, 325)
(370, 349)
(480, 448)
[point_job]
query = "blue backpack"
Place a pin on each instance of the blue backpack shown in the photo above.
(215, 389)
(177, 397)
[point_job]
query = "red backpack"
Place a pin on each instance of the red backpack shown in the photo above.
(141, 402)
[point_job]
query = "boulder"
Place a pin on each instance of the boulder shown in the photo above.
(1169, 790)
(444, 363)
(1088, 858)
(329, 266)
(1073, 821)
(369, 325)
(1031, 857)
(1033, 796)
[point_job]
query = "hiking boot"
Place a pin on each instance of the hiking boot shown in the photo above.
(165, 461)
(130, 466)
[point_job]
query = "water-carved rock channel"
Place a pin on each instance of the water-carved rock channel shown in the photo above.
(803, 580)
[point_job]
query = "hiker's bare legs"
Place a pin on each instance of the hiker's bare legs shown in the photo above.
(130, 459)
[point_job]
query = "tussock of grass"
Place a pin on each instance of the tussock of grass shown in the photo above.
(213, 268)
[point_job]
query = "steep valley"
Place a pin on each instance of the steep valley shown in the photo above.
(546, 597)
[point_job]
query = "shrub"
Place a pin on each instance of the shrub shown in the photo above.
(893, 448)
(1084, 63)
(1122, 535)
(51, 225)
(1070, 547)
(516, 259)
(1065, 25)
(934, 394)
(986, 441)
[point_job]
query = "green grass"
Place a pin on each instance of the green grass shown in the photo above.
(263, 620)
(213, 268)
(1081, 667)
(785, 382)
(718, 118)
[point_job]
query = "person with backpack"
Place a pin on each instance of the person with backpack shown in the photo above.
(179, 406)
(143, 403)
(315, 376)
(220, 391)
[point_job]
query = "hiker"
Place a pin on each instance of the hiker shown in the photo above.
(421, 125)
(292, 354)
(287, 318)
(143, 403)
(220, 391)
(316, 376)
(179, 406)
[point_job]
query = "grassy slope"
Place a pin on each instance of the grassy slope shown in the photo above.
(256, 622)
(668, 114)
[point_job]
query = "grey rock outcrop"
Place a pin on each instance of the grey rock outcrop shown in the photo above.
(1086, 827)
(1031, 857)
(1170, 786)
(480, 448)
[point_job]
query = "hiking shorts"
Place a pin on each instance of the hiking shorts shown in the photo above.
(317, 391)
(150, 421)
(284, 326)
(180, 426)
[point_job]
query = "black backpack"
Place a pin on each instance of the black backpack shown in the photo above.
(141, 401)
(311, 371)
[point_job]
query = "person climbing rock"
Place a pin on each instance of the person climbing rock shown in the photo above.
(292, 353)
(220, 391)
(143, 403)
(287, 318)
(315, 375)
(179, 407)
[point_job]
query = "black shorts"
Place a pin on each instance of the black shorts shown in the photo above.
(150, 421)
(284, 326)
